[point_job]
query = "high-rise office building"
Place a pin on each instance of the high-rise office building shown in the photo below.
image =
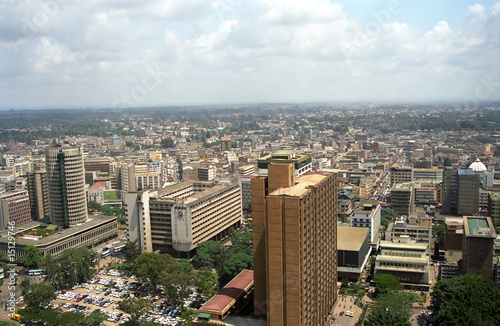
(295, 247)
(460, 192)
(66, 181)
(401, 173)
(39, 194)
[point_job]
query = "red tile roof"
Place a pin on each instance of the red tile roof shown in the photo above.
(230, 292)
(98, 185)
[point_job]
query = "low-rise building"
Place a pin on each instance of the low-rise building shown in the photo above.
(408, 261)
(417, 228)
(367, 215)
(353, 251)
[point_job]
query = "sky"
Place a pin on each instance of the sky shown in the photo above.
(128, 53)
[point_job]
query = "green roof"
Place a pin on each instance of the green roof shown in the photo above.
(476, 223)
(204, 316)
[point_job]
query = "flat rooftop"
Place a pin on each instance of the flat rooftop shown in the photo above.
(301, 186)
(351, 238)
(55, 236)
(226, 297)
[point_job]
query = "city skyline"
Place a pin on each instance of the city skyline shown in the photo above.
(137, 54)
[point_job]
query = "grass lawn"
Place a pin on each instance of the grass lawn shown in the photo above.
(112, 195)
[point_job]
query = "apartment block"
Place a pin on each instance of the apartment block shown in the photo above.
(295, 246)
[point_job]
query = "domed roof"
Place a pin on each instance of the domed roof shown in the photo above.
(478, 166)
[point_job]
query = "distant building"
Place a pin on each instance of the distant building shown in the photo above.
(39, 194)
(428, 174)
(14, 207)
(206, 173)
(225, 144)
(478, 243)
(417, 228)
(295, 244)
(367, 215)
(302, 162)
(246, 188)
(460, 192)
(401, 173)
(402, 198)
(246, 170)
(494, 206)
(148, 180)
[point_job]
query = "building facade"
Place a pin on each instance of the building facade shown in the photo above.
(460, 192)
(14, 207)
(478, 246)
(177, 218)
(295, 246)
(39, 194)
(66, 184)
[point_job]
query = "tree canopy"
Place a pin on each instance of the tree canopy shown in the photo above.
(37, 295)
(466, 300)
(74, 266)
(167, 142)
(233, 266)
(32, 257)
(390, 309)
(210, 254)
(386, 283)
(135, 307)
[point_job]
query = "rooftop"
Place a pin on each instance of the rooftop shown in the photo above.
(98, 185)
(301, 186)
(350, 238)
(222, 300)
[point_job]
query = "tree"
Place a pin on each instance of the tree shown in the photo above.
(205, 282)
(132, 251)
(177, 280)
(233, 266)
(187, 315)
(37, 295)
(167, 142)
(386, 283)
(210, 254)
(150, 266)
(437, 231)
(32, 257)
(135, 307)
(93, 206)
(466, 300)
(241, 242)
(74, 266)
(390, 309)
(95, 318)
(446, 161)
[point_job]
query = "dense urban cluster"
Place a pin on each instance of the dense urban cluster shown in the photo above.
(251, 215)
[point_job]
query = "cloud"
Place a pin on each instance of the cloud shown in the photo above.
(71, 53)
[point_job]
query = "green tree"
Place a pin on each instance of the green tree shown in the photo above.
(95, 318)
(93, 206)
(210, 254)
(177, 280)
(167, 142)
(52, 269)
(205, 282)
(70, 318)
(438, 231)
(233, 266)
(446, 161)
(33, 255)
(386, 283)
(390, 309)
(187, 315)
(151, 266)
(132, 251)
(121, 220)
(466, 300)
(135, 307)
(37, 295)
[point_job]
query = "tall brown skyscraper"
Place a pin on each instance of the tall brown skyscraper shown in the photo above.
(295, 245)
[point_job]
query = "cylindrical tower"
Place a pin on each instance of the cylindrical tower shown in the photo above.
(66, 183)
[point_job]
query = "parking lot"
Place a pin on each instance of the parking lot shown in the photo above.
(105, 291)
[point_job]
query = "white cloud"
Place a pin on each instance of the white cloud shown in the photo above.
(90, 53)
